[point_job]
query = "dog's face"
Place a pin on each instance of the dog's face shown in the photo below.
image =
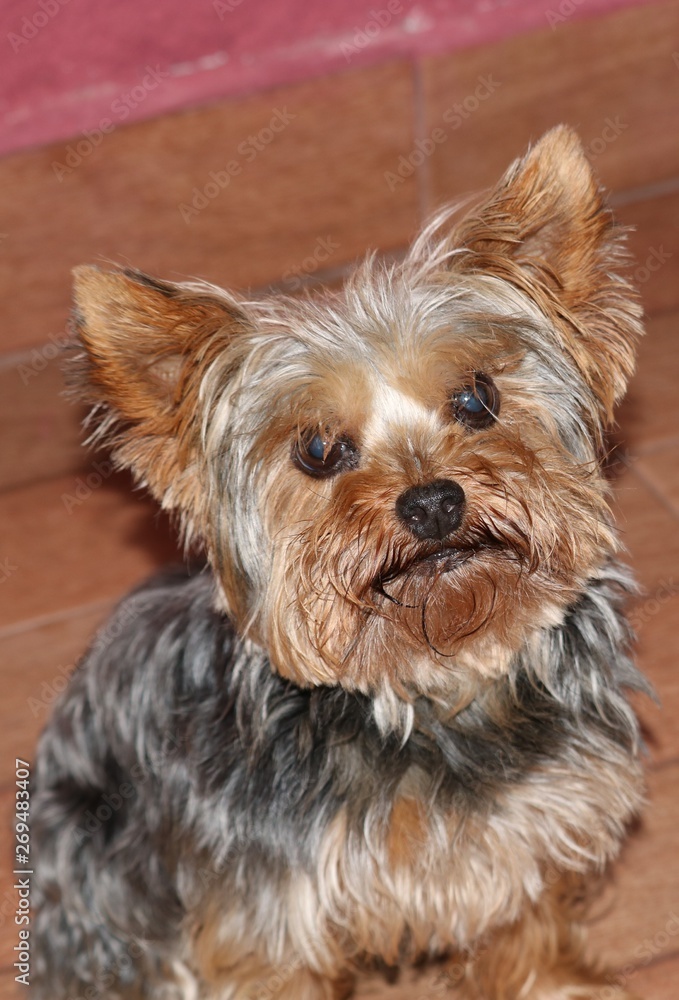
(396, 483)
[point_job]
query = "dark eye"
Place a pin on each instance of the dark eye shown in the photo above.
(320, 456)
(477, 404)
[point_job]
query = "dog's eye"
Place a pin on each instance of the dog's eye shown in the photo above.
(477, 404)
(320, 457)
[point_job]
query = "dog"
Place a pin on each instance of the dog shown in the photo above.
(386, 720)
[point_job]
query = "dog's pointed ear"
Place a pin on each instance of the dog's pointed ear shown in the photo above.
(142, 350)
(547, 229)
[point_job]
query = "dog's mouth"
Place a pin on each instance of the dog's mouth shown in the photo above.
(446, 559)
(424, 565)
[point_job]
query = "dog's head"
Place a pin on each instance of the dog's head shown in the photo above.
(398, 482)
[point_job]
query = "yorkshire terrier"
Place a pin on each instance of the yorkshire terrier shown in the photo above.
(388, 723)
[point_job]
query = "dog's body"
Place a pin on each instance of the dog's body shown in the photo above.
(407, 735)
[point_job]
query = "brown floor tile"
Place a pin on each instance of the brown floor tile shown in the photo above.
(8, 988)
(36, 665)
(613, 78)
(320, 178)
(655, 619)
(657, 980)
(660, 469)
(655, 245)
(40, 434)
(642, 899)
(649, 415)
(53, 560)
(649, 531)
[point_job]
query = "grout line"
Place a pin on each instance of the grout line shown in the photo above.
(659, 766)
(650, 485)
(656, 490)
(646, 192)
(29, 624)
(12, 359)
(662, 313)
(669, 956)
(652, 447)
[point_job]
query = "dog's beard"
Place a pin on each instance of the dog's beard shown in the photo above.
(444, 594)
(373, 605)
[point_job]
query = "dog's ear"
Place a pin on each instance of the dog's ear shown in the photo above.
(143, 348)
(547, 229)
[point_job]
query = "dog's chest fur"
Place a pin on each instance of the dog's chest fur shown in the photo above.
(269, 806)
(420, 873)
(384, 846)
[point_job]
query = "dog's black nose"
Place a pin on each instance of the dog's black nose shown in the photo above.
(433, 510)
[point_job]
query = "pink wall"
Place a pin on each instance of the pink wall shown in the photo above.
(67, 66)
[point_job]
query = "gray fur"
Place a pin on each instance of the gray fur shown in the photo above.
(238, 773)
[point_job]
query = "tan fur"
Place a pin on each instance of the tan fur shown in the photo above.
(541, 955)
(450, 880)
(341, 546)
(547, 228)
(430, 884)
(407, 835)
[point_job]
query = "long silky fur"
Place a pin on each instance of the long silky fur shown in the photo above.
(236, 770)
